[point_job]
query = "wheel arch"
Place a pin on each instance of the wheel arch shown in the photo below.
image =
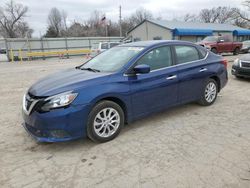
(217, 79)
(118, 101)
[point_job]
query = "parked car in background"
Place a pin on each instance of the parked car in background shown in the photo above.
(120, 85)
(221, 44)
(2, 51)
(102, 46)
(106, 45)
(245, 47)
(241, 67)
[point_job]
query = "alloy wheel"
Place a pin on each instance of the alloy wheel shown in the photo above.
(210, 92)
(106, 122)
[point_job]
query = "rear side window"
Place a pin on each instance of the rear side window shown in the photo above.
(186, 54)
(157, 58)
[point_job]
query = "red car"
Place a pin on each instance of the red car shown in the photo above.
(220, 44)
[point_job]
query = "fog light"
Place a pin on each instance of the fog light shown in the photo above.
(59, 134)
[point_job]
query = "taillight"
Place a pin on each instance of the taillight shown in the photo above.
(224, 62)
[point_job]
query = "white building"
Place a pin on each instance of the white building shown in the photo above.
(189, 31)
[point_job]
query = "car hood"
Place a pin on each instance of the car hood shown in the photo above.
(206, 43)
(245, 57)
(67, 80)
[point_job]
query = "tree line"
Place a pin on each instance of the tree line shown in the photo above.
(14, 25)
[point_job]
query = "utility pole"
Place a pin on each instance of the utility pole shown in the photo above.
(120, 19)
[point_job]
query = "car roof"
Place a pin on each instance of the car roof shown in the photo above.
(154, 42)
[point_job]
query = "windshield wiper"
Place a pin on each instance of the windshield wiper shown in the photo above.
(90, 69)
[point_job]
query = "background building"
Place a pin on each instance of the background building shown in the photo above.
(189, 31)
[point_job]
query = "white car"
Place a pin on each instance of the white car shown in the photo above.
(102, 46)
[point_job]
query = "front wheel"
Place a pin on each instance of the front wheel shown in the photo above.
(236, 51)
(210, 92)
(214, 50)
(105, 121)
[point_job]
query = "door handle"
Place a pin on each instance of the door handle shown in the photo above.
(203, 70)
(171, 77)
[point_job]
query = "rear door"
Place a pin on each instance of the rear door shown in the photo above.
(192, 72)
(228, 44)
(158, 88)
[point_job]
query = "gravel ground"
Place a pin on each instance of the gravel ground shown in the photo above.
(187, 146)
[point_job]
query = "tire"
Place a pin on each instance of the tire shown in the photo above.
(99, 126)
(214, 50)
(236, 51)
(206, 99)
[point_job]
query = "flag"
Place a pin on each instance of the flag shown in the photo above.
(103, 20)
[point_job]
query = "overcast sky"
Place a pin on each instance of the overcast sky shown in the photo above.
(80, 10)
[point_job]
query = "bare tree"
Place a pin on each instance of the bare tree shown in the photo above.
(216, 15)
(189, 17)
(77, 29)
(140, 15)
(95, 26)
(24, 30)
(12, 20)
(243, 15)
(55, 22)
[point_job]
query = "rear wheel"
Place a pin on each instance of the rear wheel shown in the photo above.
(210, 92)
(214, 50)
(105, 121)
(236, 51)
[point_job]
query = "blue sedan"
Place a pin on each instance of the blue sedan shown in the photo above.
(120, 85)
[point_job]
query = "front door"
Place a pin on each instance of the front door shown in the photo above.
(158, 88)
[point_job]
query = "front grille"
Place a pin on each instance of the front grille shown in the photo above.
(245, 64)
(31, 102)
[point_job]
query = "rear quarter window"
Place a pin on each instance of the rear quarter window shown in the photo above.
(203, 52)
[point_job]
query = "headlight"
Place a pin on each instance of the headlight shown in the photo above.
(58, 101)
(237, 62)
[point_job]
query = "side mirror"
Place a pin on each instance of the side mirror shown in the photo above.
(221, 40)
(142, 69)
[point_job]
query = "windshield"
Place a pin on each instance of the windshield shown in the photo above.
(104, 46)
(113, 59)
(210, 39)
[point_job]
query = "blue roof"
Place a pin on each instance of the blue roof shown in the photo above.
(192, 32)
(241, 32)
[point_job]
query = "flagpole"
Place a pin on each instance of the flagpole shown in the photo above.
(120, 19)
(106, 29)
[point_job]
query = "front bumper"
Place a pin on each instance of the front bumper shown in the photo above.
(58, 125)
(244, 50)
(239, 71)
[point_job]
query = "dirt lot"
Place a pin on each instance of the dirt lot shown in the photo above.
(188, 146)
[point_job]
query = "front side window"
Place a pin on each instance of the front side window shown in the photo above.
(186, 54)
(157, 58)
(113, 59)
